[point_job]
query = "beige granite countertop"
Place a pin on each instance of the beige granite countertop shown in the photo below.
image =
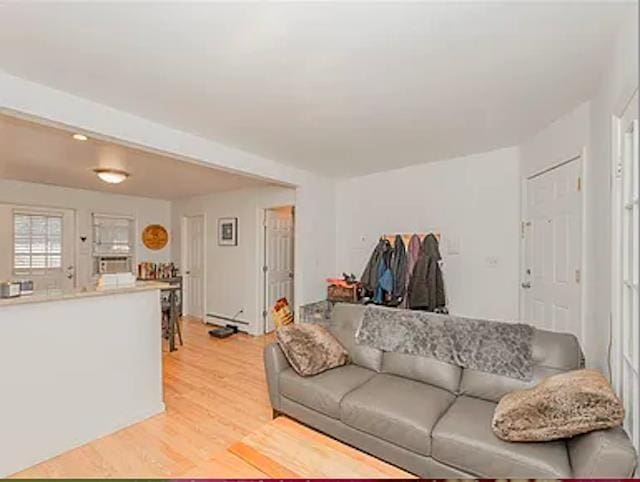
(56, 295)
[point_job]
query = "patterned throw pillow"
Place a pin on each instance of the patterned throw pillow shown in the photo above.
(310, 348)
(560, 406)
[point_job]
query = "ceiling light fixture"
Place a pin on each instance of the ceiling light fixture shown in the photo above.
(80, 137)
(111, 176)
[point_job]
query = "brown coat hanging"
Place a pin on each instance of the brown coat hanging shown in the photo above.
(426, 287)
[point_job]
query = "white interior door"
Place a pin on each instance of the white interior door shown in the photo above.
(278, 268)
(42, 242)
(193, 273)
(626, 259)
(553, 249)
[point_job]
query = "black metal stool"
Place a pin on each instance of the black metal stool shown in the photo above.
(170, 309)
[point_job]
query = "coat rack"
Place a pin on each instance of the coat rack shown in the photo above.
(407, 236)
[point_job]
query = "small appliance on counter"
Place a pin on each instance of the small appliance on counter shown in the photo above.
(9, 289)
(116, 280)
(26, 287)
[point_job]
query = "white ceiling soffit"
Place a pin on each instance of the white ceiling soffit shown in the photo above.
(337, 88)
(38, 153)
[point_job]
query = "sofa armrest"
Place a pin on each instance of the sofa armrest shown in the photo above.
(274, 363)
(602, 454)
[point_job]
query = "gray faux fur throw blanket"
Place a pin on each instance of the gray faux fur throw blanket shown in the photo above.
(489, 346)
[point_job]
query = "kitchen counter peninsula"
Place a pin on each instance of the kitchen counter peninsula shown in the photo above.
(75, 366)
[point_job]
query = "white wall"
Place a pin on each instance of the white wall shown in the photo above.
(315, 232)
(233, 274)
(619, 81)
(589, 127)
(472, 200)
(144, 210)
(561, 140)
(315, 203)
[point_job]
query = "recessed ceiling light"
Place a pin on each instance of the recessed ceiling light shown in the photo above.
(111, 176)
(80, 137)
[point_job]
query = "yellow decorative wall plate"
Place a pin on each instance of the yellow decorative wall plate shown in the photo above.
(155, 237)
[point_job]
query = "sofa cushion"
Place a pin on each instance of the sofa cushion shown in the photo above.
(557, 350)
(423, 369)
(345, 321)
(552, 353)
(560, 406)
(397, 410)
(310, 349)
(463, 438)
(323, 392)
(491, 387)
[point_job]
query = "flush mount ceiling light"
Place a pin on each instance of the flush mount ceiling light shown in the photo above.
(111, 176)
(80, 137)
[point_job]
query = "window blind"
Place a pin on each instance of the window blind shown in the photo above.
(37, 242)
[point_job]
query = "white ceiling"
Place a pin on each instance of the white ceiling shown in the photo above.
(337, 88)
(38, 153)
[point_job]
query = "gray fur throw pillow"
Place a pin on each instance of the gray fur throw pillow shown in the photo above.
(560, 406)
(310, 348)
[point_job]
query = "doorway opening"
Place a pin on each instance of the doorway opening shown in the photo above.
(552, 236)
(278, 260)
(193, 261)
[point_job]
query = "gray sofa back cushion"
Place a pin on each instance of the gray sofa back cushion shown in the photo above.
(422, 369)
(552, 353)
(345, 320)
(557, 350)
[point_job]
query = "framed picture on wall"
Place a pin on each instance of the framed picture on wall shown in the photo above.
(227, 231)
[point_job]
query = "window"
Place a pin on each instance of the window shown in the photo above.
(37, 242)
(112, 235)
(113, 243)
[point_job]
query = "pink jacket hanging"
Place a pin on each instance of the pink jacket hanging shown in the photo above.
(413, 251)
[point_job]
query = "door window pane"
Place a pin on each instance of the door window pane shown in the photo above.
(37, 242)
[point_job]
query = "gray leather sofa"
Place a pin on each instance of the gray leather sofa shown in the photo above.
(434, 419)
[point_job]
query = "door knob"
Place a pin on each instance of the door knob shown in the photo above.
(526, 285)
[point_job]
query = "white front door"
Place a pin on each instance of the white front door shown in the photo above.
(193, 261)
(552, 268)
(278, 266)
(43, 246)
(625, 349)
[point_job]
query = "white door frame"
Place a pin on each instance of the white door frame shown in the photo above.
(183, 261)
(262, 310)
(581, 158)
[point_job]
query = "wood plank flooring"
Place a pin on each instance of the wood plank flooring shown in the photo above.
(284, 448)
(215, 394)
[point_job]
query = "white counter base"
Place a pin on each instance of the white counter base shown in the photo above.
(74, 370)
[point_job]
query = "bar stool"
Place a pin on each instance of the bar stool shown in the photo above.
(170, 309)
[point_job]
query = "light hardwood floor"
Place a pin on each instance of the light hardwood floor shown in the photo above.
(215, 394)
(284, 448)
